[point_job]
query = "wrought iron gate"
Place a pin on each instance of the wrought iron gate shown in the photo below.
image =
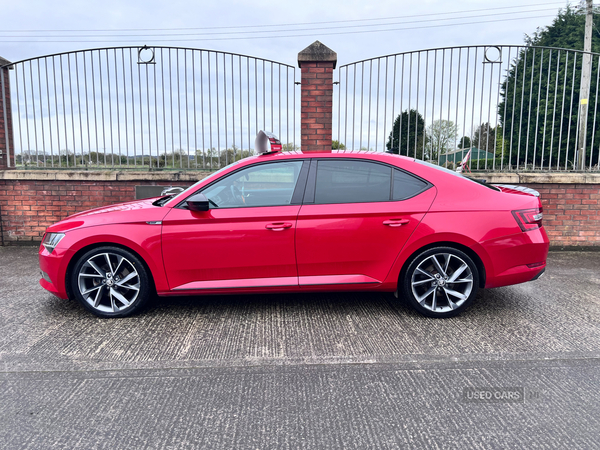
(514, 107)
(147, 107)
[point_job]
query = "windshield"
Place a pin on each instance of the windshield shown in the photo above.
(162, 201)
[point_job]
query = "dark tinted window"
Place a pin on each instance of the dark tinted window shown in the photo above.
(343, 181)
(406, 186)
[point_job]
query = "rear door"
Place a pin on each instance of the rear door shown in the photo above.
(356, 217)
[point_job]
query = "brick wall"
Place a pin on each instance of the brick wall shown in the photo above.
(30, 204)
(570, 202)
(571, 213)
(31, 201)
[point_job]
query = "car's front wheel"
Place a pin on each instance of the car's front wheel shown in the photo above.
(110, 282)
(441, 282)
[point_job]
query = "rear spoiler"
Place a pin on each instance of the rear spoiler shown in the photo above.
(525, 190)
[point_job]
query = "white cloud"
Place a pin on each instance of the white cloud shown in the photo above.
(205, 15)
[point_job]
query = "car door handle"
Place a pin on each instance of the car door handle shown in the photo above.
(279, 226)
(395, 222)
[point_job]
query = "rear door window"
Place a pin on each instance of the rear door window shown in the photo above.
(347, 181)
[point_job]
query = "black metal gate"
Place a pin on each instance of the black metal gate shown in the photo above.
(514, 107)
(147, 107)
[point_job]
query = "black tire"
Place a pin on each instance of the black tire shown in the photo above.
(440, 282)
(120, 292)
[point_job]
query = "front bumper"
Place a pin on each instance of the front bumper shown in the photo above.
(54, 265)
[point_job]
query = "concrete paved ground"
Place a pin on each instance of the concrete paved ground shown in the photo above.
(302, 371)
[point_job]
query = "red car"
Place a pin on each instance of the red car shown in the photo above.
(303, 222)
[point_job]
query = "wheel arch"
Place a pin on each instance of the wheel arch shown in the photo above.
(87, 248)
(463, 248)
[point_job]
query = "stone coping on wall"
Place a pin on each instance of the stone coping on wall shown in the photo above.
(105, 175)
(537, 178)
(126, 175)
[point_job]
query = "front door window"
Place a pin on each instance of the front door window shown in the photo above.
(262, 185)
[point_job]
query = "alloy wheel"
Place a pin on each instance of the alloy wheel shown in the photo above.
(108, 282)
(442, 282)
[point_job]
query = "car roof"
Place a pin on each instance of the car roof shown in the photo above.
(329, 154)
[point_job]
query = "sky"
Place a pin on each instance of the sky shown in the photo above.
(269, 29)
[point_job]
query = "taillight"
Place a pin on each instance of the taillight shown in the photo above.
(529, 219)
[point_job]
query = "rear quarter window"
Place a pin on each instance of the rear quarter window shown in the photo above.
(406, 185)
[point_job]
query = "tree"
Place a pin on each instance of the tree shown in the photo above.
(442, 136)
(465, 142)
(289, 147)
(484, 137)
(337, 145)
(408, 134)
(28, 157)
(176, 159)
(208, 158)
(232, 154)
(536, 131)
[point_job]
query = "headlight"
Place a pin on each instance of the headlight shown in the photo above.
(51, 240)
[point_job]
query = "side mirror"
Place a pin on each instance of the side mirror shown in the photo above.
(198, 202)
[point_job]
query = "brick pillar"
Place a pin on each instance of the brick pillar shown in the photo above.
(6, 131)
(316, 63)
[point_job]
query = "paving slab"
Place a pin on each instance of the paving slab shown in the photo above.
(343, 370)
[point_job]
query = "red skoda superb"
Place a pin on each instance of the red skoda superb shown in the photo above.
(303, 222)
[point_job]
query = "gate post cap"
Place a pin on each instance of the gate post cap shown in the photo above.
(317, 52)
(4, 62)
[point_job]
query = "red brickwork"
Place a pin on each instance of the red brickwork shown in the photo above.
(571, 213)
(28, 207)
(6, 131)
(317, 105)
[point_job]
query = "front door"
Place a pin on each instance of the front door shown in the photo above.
(246, 239)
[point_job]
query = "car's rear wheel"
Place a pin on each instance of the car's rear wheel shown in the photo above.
(441, 282)
(110, 282)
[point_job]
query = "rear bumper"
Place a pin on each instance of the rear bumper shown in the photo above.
(517, 258)
(516, 275)
(539, 274)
